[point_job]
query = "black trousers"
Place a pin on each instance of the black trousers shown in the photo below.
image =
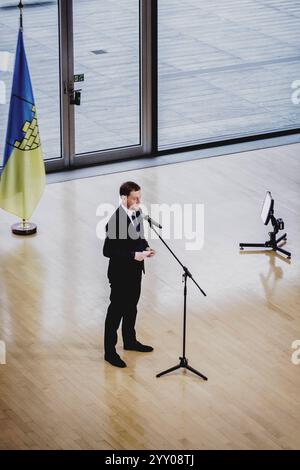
(124, 297)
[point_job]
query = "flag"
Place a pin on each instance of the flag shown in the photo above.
(23, 176)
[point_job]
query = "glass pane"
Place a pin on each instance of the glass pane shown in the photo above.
(42, 51)
(227, 68)
(106, 50)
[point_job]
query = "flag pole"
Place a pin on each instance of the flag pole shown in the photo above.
(21, 6)
(24, 227)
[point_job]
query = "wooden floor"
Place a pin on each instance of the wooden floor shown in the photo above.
(56, 391)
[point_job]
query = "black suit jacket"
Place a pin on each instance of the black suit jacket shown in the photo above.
(121, 242)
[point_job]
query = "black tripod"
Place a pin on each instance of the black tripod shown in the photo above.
(272, 243)
(186, 273)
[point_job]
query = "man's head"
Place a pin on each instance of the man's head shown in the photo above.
(130, 194)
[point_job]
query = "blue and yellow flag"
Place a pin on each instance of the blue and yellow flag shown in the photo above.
(23, 176)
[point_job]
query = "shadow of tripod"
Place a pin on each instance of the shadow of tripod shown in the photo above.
(274, 274)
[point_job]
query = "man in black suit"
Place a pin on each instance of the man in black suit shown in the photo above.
(126, 248)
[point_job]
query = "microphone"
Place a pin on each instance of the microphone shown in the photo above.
(150, 221)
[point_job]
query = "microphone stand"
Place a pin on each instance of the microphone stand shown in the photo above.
(186, 273)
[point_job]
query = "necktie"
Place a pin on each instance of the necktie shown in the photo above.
(135, 222)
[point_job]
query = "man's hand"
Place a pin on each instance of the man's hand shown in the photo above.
(151, 251)
(141, 255)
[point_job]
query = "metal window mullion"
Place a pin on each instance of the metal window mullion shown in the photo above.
(61, 161)
(67, 64)
(154, 75)
(146, 76)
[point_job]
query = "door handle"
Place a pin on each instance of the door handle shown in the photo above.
(74, 95)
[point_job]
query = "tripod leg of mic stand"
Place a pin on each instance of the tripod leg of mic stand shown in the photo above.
(196, 372)
(168, 370)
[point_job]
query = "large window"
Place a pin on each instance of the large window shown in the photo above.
(154, 74)
(41, 43)
(226, 69)
(107, 51)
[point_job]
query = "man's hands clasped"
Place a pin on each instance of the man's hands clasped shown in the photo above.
(141, 255)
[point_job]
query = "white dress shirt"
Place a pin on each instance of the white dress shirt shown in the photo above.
(130, 212)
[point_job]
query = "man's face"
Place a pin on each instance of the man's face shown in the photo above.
(133, 200)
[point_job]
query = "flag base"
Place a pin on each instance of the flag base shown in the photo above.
(24, 228)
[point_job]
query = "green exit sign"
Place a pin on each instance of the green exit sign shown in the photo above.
(79, 77)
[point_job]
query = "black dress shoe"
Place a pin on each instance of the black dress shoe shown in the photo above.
(115, 360)
(138, 347)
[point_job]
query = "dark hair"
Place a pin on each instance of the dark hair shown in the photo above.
(127, 187)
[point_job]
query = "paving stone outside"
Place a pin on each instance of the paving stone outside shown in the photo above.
(225, 69)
